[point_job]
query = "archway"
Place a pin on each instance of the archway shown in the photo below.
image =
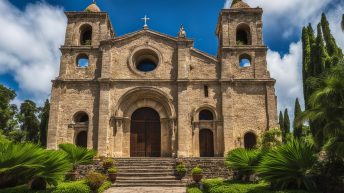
(145, 133)
(250, 140)
(81, 139)
(206, 143)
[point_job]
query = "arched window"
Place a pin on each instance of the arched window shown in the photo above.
(206, 115)
(244, 60)
(86, 35)
(243, 35)
(82, 61)
(206, 91)
(81, 117)
(250, 140)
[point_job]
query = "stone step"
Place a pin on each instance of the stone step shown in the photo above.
(135, 184)
(150, 174)
(143, 164)
(146, 167)
(143, 170)
(136, 178)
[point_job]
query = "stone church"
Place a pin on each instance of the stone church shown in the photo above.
(148, 94)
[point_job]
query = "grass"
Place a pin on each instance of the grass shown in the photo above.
(217, 185)
(63, 187)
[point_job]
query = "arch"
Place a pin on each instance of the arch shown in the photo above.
(206, 143)
(86, 34)
(250, 140)
(80, 117)
(205, 115)
(243, 34)
(145, 133)
(82, 61)
(145, 97)
(244, 60)
(81, 139)
(208, 107)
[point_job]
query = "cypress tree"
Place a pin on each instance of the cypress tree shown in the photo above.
(43, 127)
(281, 121)
(312, 44)
(286, 126)
(343, 22)
(331, 45)
(29, 121)
(306, 60)
(320, 55)
(297, 112)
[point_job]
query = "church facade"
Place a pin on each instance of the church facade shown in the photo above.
(147, 94)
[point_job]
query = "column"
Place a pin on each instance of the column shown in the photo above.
(104, 118)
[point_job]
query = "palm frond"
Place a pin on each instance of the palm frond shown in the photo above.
(78, 155)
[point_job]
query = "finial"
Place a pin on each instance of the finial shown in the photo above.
(182, 33)
(145, 19)
(94, 1)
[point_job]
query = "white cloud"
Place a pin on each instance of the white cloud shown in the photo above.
(29, 45)
(288, 74)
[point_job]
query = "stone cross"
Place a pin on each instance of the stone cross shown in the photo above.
(145, 19)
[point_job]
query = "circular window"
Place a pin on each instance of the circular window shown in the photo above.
(145, 60)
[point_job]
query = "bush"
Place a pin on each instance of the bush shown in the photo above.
(210, 183)
(112, 170)
(78, 155)
(95, 180)
(197, 170)
(181, 169)
(289, 166)
(243, 162)
(108, 163)
(193, 190)
(72, 187)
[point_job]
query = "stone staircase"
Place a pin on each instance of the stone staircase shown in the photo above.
(150, 172)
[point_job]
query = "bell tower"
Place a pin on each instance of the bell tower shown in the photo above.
(80, 52)
(241, 48)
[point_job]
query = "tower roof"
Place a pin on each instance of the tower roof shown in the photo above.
(238, 4)
(93, 8)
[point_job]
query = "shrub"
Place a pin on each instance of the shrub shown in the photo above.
(271, 139)
(78, 155)
(243, 162)
(193, 190)
(108, 163)
(181, 169)
(72, 187)
(289, 166)
(95, 180)
(112, 170)
(197, 170)
(104, 187)
(210, 183)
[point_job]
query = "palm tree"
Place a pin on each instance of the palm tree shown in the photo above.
(78, 155)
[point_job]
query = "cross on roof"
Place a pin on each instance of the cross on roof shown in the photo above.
(145, 19)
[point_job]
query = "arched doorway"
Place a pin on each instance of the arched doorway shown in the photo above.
(81, 139)
(206, 143)
(250, 140)
(145, 133)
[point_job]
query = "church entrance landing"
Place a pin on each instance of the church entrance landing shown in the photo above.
(145, 133)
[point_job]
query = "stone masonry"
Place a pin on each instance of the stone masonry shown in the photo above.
(93, 104)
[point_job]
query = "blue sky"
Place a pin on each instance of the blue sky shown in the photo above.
(33, 30)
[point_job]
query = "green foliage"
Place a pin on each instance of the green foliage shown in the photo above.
(112, 170)
(193, 189)
(43, 127)
(78, 155)
(104, 187)
(286, 126)
(17, 135)
(7, 111)
(289, 166)
(197, 170)
(72, 187)
(181, 169)
(243, 162)
(95, 180)
(108, 163)
(29, 121)
(30, 161)
(210, 183)
(235, 1)
(343, 22)
(271, 139)
(331, 45)
(297, 127)
(281, 121)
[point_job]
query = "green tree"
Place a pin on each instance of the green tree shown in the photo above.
(281, 121)
(43, 127)
(286, 127)
(343, 22)
(320, 55)
(7, 111)
(297, 127)
(29, 121)
(306, 59)
(331, 45)
(235, 1)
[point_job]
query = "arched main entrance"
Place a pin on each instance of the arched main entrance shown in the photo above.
(145, 133)
(81, 139)
(206, 143)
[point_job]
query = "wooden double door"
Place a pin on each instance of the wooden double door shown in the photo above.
(206, 142)
(145, 133)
